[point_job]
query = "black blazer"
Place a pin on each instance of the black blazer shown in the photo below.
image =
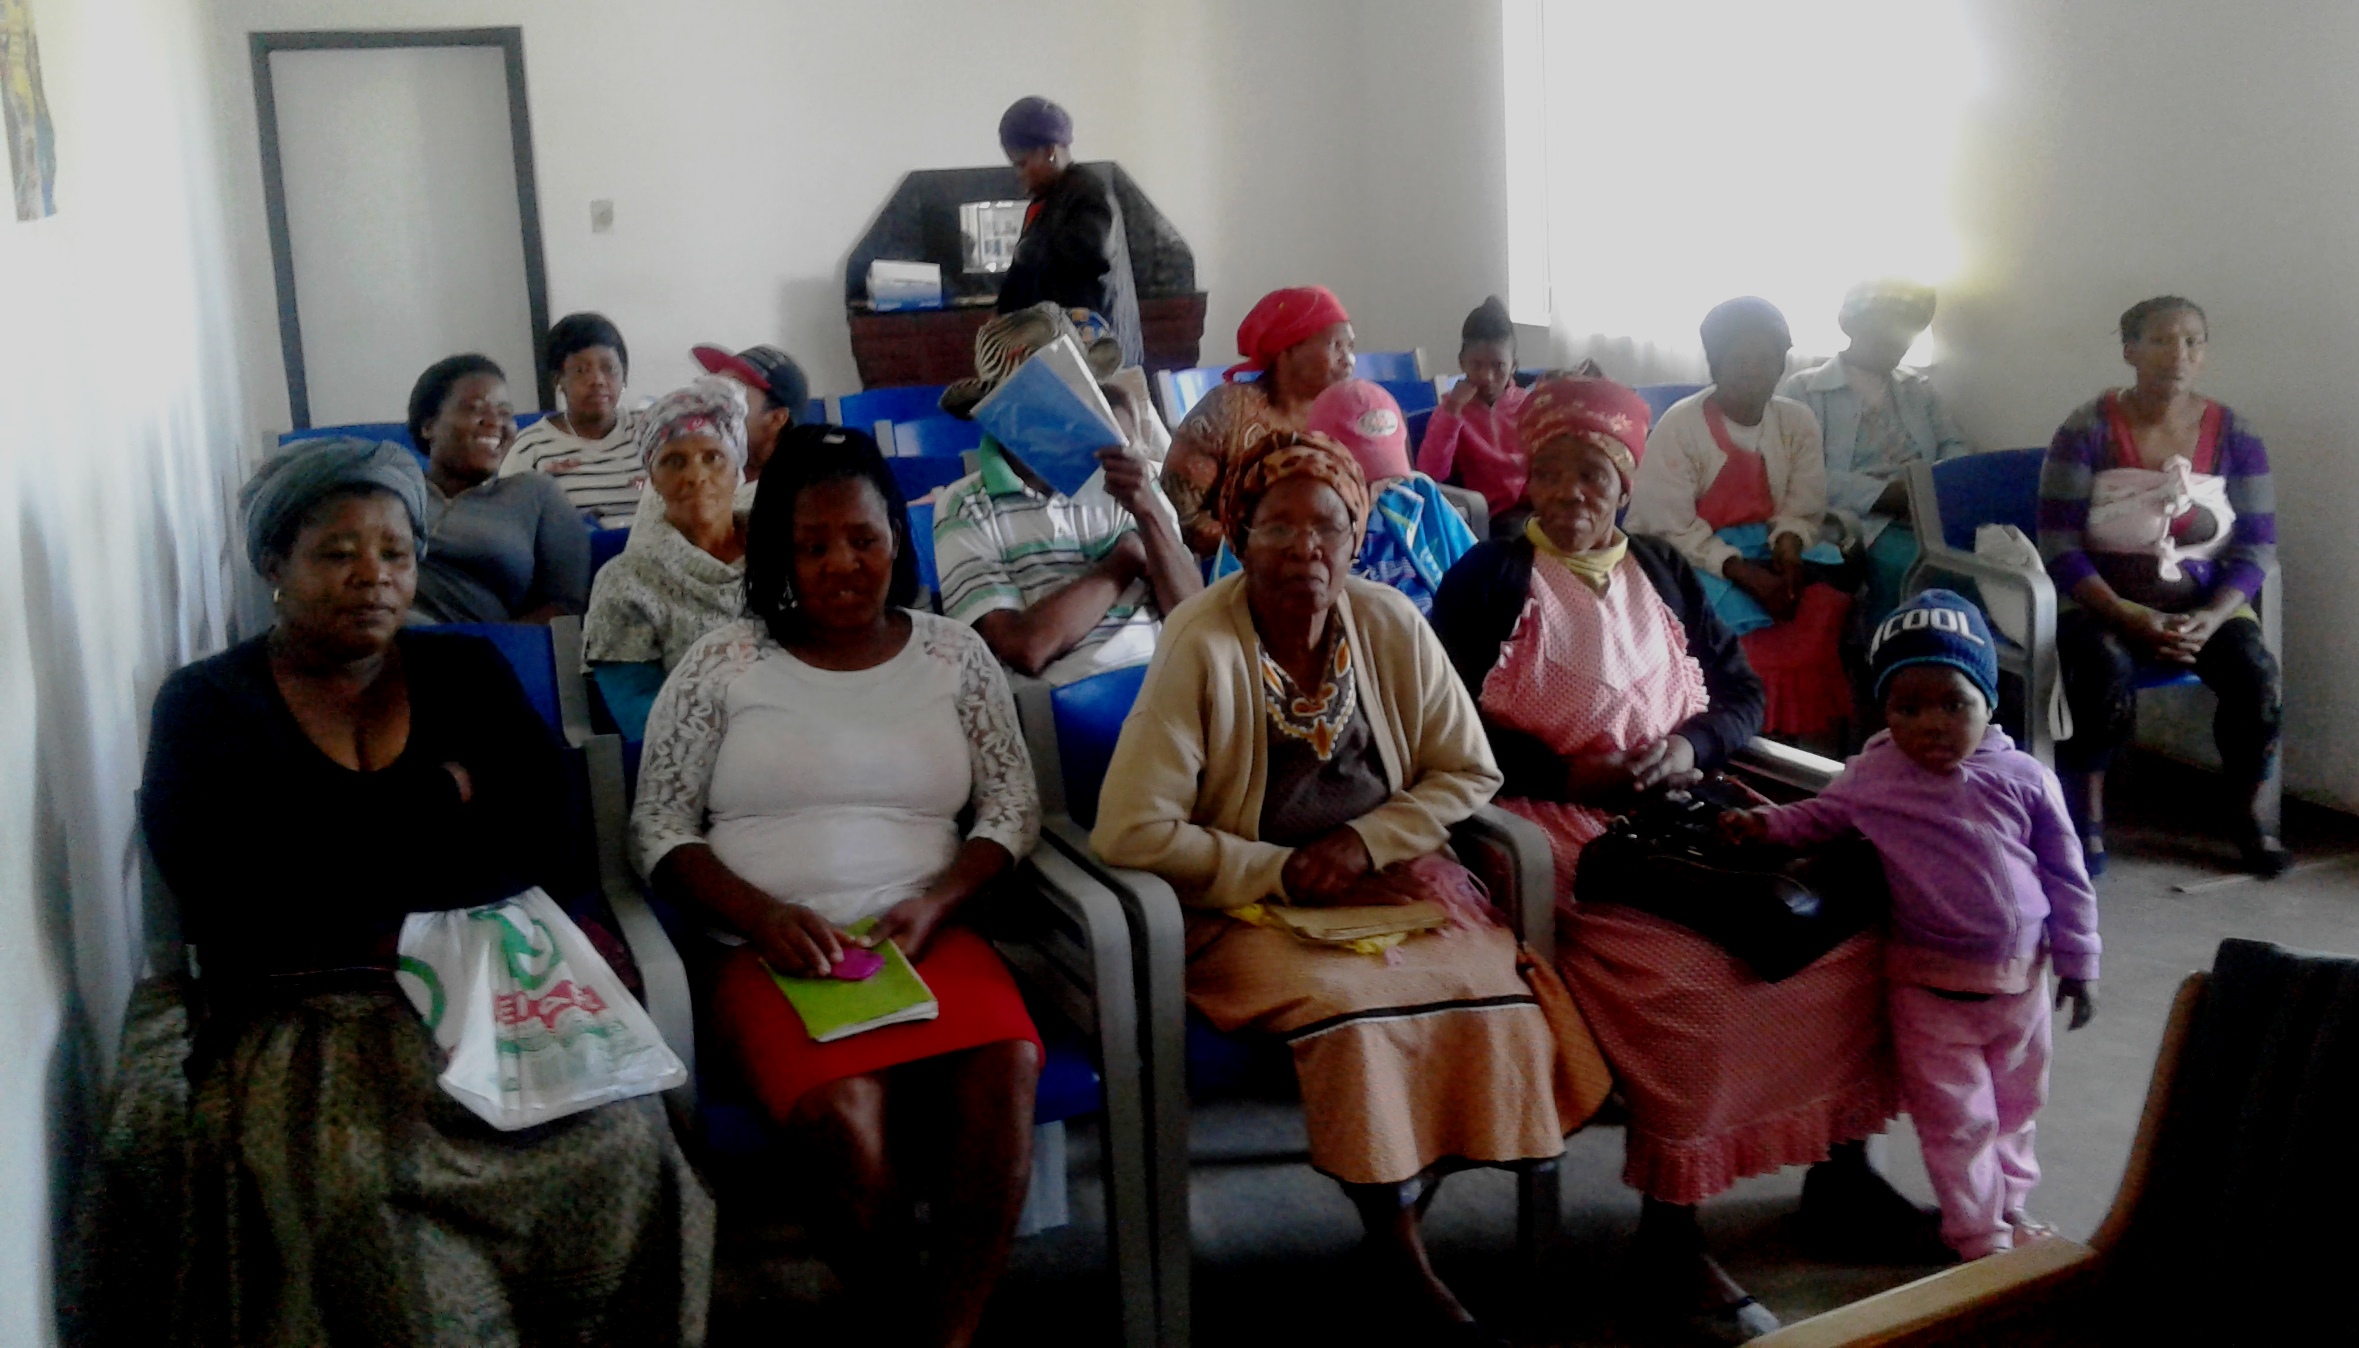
(1475, 613)
(1076, 253)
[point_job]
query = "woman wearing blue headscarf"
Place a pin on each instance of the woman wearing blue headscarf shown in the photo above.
(282, 1166)
(1075, 250)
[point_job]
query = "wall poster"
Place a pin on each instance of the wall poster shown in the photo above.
(24, 115)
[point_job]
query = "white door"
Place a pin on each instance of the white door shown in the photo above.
(402, 221)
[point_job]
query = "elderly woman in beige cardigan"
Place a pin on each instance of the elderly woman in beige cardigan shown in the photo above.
(1301, 739)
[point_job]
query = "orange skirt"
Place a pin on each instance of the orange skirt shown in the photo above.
(980, 1005)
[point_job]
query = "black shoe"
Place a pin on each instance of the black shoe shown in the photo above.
(1853, 1215)
(2265, 855)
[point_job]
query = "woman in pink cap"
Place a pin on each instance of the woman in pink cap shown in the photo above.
(1414, 534)
(1300, 342)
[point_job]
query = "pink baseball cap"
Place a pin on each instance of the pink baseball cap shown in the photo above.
(1363, 418)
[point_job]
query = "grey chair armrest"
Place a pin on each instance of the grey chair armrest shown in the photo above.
(1036, 715)
(661, 970)
(1798, 768)
(1068, 938)
(1473, 506)
(573, 683)
(1158, 935)
(1531, 909)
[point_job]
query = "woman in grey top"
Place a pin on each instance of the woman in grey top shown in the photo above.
(498, 549)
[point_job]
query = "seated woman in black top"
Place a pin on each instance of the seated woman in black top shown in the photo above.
(306, 1180)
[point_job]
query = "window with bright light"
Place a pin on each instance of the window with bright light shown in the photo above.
(1667, 155)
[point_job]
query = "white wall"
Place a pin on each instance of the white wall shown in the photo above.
(119, 422)
(747, 144)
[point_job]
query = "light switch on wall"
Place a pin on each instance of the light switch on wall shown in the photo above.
(602, 216)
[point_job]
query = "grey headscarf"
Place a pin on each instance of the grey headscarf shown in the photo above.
(709, 405)
(288, 486)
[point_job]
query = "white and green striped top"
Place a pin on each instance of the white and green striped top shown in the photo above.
(1002, 545)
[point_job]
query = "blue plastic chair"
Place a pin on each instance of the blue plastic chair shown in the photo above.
(1949, 500)
(929, 437)
(1387, 367)
(921, 538)
(605, 546)
(920, 476)
(1183, 389)
(1418, 421)
(547, 660)
(1414, 395)
(812, 413)
(904, 402)
(1659, 397)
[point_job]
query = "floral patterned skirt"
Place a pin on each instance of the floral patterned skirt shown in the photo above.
(316, 1186)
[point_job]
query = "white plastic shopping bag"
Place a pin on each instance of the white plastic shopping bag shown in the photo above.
(2010, 613)
(535, 1022)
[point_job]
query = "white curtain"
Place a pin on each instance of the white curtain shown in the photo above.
(1669, 155)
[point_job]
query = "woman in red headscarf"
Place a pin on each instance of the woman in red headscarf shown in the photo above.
(1602, 674)
(1300, 342)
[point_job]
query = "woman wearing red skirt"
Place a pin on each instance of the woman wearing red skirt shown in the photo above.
(807, 769)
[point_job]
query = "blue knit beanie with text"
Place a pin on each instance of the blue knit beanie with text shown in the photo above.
(1938, 627)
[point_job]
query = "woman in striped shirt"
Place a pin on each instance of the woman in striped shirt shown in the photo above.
(592, 447)
(2158, 521)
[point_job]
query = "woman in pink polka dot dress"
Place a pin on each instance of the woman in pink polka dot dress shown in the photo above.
(1602, 674)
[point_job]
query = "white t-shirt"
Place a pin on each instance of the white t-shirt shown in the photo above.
(601, 477)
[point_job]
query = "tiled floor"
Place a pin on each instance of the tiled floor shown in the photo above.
(1274, 1241)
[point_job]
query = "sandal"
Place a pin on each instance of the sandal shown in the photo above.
(2028, 1230)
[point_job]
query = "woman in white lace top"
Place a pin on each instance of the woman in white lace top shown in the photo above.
(807, 769)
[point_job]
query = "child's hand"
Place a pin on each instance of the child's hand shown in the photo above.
(1460, 394)
(2083, 997)
(1741, 827)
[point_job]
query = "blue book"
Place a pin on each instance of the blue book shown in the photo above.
(1050, 414)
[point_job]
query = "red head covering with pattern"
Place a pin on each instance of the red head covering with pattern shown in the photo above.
(1279, 320)
(1271, 459)
(1600, 412)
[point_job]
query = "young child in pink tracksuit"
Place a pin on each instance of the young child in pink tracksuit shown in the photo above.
(1987, 885)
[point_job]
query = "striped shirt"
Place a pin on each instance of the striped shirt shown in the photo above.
(1002, 546)
(2084, 446)
(601, 478)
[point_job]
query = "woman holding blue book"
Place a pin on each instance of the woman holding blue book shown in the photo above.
(806, 775)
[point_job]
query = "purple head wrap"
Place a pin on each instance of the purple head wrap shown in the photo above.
(1030, 123)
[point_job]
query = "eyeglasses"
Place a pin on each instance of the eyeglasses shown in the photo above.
(1329, 537)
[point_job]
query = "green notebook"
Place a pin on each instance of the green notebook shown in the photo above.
(834, 1009)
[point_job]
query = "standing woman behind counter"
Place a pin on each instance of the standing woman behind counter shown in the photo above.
(1075, 249)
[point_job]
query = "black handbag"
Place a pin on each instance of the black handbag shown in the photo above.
(1775, 909)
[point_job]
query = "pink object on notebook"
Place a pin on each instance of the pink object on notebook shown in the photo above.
(857, 964)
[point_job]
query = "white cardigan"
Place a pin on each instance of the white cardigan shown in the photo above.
(1682, 460)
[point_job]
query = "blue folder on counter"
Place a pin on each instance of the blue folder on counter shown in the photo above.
(1050, 414)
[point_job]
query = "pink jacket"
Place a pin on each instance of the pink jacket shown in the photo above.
(1481, 447)
(1984, 865)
